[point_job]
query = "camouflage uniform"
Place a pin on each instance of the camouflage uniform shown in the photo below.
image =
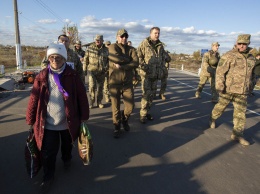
(96, 63)
(164, 80)
(208, 71)
(80, 52)
(152, 59)
(120, 80)
(72, 60)
(233, 77)
(256, 75)
(106, 82)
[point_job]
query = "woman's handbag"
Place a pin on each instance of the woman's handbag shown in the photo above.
(85, 144)
(32, 155)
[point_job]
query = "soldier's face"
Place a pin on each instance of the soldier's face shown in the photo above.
(215, 48)
(242, 46)
(78, 46)
(122, 39)
(155, 34)
(65, 40)
(99, 42)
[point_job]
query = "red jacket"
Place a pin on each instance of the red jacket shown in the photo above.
(76, 104)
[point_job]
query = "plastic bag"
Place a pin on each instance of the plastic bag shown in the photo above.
(32, 155)
(85, 144)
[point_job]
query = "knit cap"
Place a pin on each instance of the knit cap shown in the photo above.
(57, 48)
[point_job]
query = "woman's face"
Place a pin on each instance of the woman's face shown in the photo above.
(56, 61)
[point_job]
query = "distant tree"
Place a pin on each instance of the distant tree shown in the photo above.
(196, 55)
(72, 33)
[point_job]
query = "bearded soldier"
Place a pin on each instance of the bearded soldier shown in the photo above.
(233, 78)
(208, 71)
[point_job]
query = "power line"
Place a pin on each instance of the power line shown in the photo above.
(46, 7)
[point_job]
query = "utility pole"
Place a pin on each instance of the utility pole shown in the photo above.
(17, 35)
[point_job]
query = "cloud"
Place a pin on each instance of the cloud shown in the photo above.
(179, 40)
(47, 21)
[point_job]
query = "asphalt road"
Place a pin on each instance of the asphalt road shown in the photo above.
(175, 153)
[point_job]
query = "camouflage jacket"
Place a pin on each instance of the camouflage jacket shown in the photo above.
(257, 68)
(80, 52)
(152, 59)
(209, 63)
(96, 59)
(72, 60)
(234, 72)
(126, 57)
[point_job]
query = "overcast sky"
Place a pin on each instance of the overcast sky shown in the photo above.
(186, 25)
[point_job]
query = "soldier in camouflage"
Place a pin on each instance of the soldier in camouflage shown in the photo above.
(106, 82)
(208, 71)
(96, 63)
(78, 49)
(122, 61)
(73, 60)
(164, 79)
(233, 77)
(152, 59)
(256, 74)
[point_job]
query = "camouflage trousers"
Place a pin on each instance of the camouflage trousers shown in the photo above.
(203, 81)
(239, 115)
(106, 88)
(163, 85)
(96, 80)
(127, 94)
(149, 87)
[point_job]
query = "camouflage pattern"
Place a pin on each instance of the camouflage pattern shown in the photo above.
(233, 77)
(244, 38)
(164, 80)
(208, 70)
(80, 52)
(234, 72)
(120, 80)
(239, 116)
(44, 62)
(96, 80)
(96, 63)
(73, 58)
(152, 61)
(106, 87)
(256, 75)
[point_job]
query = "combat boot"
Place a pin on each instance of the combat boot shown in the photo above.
(117, 130)
(91, 105)
(212, 123)
(239, 139)
(162, 96)
(149, 117)
(125, 122)
(143, 119)
(197, 95)
(100, 105)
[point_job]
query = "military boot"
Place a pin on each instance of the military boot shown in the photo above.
(212, 123)
(143, 119)
(162, 96)
(91, 104)
(197, 95)
(125, 122)
(117, 130)
(239, 139)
